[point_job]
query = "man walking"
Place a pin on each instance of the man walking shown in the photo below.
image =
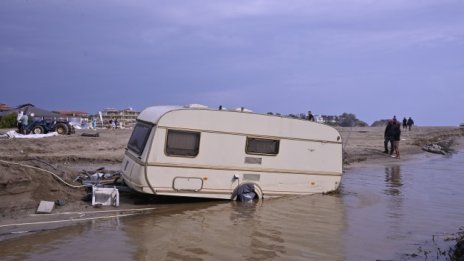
(396, 134)
(410, 123)
(388, 137)
(310, 116)
(405, 123)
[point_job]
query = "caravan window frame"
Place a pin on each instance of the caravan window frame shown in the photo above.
(171, 152)
(139, 148)
(249, 150)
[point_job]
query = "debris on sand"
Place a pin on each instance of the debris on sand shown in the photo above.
(14, 135)
(439, 249)
(45, 207)
(458, 251)
(434, 148)
(98, 177)
(441, 147)
(92, 135)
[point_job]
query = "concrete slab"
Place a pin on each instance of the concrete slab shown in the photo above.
(45, 207)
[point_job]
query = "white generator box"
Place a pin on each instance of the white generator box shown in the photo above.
(105, 196)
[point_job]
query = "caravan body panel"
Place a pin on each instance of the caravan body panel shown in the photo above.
(209, 153)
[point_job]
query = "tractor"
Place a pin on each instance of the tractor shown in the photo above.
(49, 125)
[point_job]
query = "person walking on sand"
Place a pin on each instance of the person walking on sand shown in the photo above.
(396, 133)
(388, 137)
(310, 116)
(405, 123)
(24, 122)
(18, 120)
(410, 123)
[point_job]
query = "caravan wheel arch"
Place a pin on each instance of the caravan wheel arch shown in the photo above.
(256, 188)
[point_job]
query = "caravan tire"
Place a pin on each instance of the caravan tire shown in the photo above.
(247, 192)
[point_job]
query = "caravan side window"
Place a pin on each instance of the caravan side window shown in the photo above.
(182, 143)
(262, 146)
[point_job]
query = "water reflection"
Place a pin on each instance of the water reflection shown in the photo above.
(34, 243)
(85, 241)
(395, 209)
(266, 241)
(298, 228)
(393, 180)
(394, 204)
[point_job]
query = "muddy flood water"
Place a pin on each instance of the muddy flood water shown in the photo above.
(400, 210)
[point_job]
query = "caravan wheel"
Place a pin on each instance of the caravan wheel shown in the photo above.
(247, 192)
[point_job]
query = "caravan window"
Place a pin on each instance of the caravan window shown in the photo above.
(182, 143)
(139, 137)
(262, 146)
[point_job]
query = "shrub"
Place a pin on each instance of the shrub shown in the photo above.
(8, 121)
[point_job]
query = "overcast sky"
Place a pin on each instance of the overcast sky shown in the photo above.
(372, 58)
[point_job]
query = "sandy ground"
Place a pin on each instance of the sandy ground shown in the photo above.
(365, 144)
(68, 156)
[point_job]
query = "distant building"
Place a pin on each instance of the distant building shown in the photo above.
(78, 119)
(4, 107)
(329, 119)
(5, 110)
(126, 118)
(318, 118)
(73, 113)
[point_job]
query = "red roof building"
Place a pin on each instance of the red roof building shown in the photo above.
(73, 113)
(4, 107)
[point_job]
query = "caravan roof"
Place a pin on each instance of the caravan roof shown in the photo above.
(237, 122)
(154, 113)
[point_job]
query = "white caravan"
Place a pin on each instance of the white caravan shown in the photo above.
(209, 153)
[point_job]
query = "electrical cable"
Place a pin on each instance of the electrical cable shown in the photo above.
(44, 170)
(66, 220)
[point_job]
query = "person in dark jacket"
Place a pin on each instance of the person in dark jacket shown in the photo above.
(410, 123)
(310, 116)
(396, 135)
(405, 123)
(388, 137)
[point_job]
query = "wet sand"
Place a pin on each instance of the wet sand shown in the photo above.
(365, 144)
(22, 188)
